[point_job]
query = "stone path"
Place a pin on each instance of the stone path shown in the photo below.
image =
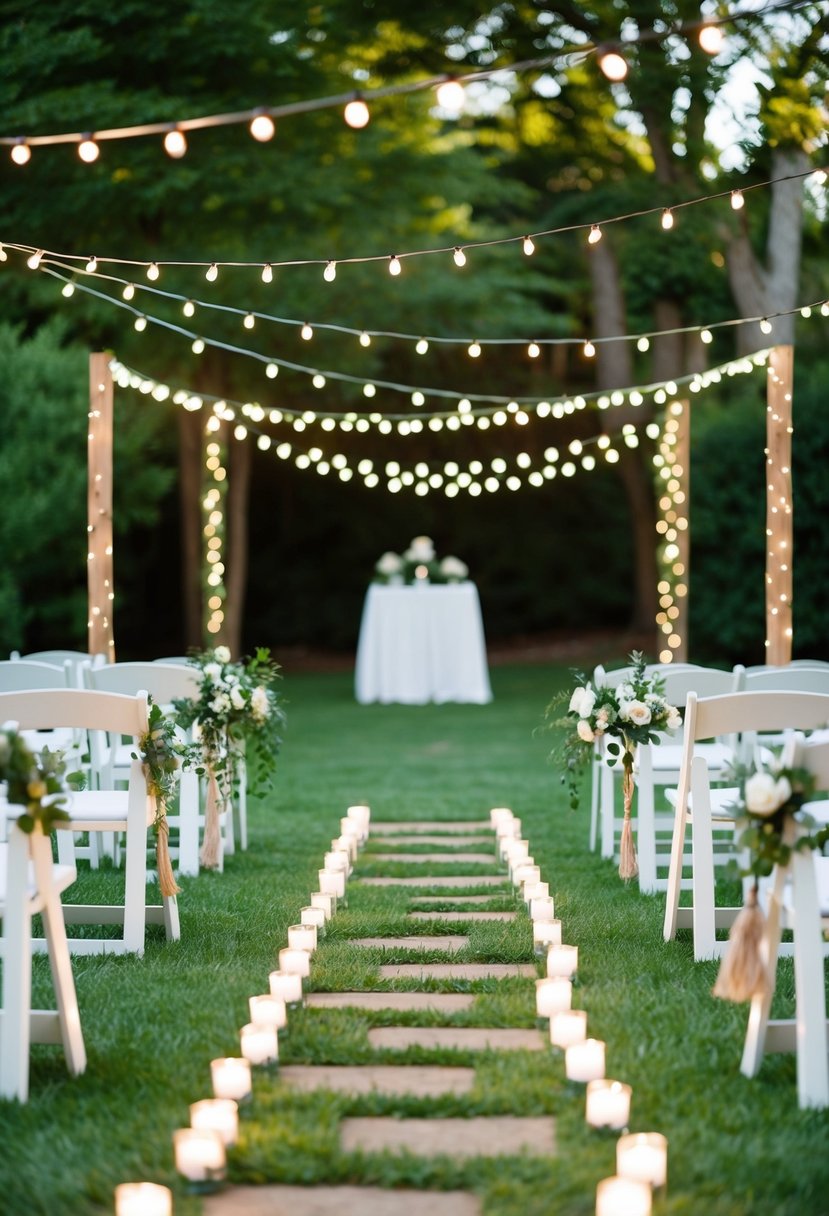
(426, 880)
(493, 1136)
(419, 859)
(338, 1201)
(447, 942)
(454, 916)
(457, 971)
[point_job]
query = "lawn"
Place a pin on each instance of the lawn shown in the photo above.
(153, 1025)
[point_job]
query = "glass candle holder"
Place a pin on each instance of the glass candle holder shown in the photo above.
(643, 1156)
(219, 1115)
(623, 1197)
(585, 1061)
(260, 1044)
(567, 1027)
(562, 960)
(200, 1158)
(327, 903)
(143, 1199)
(608, 1104)
(268, 1010)
(543, 909)
(546, 933)
(551, 996)
(287, 986)
(535, 890)
(231, 1078)
(346, 844)
(499, 815)
(302, 937)
(337, 859)
(332, 882)
(310, 915)
(297, 962)
(525, 871)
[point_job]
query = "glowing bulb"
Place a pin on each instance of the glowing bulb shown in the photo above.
(88, 150)
(21, 153)
(643, 344)
(451, 96)
(306, 333)
(365, 339)
(533, 350)
(706, 336)
(394, 265)
(198, 346)
(588, 350)
(267, 273)
(34, 259)
(356, 113)
(92, 265)
(765, 325)
(613, 65)
(175, 143)
(68, 290)
(459, 256)
(188, 308)
(422, 346)
(330, 272)
(249, 321)
(262, 128)
(474, 350)
(667, 219)
(737, 200)
(128, 292)
(212, 273)
(272, 371)
(711, 39)
(153, 271)
(529, 246)
(140, 324)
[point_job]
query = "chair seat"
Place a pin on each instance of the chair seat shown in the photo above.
(62, 877)
(97, 807)
(668, 756)
(723, 800)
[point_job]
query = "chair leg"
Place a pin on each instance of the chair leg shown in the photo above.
(607, 808)
(243, 803)
(60, 963)
(702, 853)
(17, 974)
(595, 778)
(188, 839)
(646, 838)
(172, 927)
(760, 1009)
(812, 1065)
(675, 872)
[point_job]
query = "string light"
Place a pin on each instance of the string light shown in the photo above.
(365, 340)
(422, 346)
(175, 143)
(667, 219)
(330, 272)
(459, 256)
(21, 153)
(474, 350)
(129, 292)
(88, 150)
(153, 271)
(189, 308)
(92, 265)
(140, 324)
(68, 290)
(588, 350)
(249, 321)
(356, 113)
(262, 128)
(528, 245)
(671, 528)
(267, 273)
(737, 200)
(212, 272)
(451, 95)
(394, 265)
(34, 259)
(594, 235)
(613, 65)
(306, 333)
(711, 39)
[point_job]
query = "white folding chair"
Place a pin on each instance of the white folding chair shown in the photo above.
(165, 683)
(130, 811)
(697, 804)
(59, 658)
(30, 884)
(798, 899)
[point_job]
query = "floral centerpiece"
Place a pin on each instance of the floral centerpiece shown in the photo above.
(237, 706)
(160, 754)
(419, 563)
(617, 719)
(773, 824)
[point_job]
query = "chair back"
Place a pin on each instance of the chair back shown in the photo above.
(795, 663)
(165, 682)
(704, 681)
(181, 660)
(18, 675)
(81, 708)
(787, 679)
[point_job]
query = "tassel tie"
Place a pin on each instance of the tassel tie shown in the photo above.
(628, 864)
(744, 971)
(210, 853)
(166, 878)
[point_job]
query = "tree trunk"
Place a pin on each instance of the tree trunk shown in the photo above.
(189, 482)
(236, 542)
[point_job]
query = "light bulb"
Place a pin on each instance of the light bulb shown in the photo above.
(198, 346)
(262, 128)
(394, 265)
(88, 150)
(267, 273)
(706, 336)
(766, 326)
(212, 273)
(588, 350)
(667, 219)
(330, 272)
(356, 113)
(175, 143)
(365, 339)
(451, 96)
(21, 153)
(68, 290)
(422, 346)
(474, 350)
(643, 344)
(737, 200)
(129, 291)
(92, 265)
(529, 246)
(249, 321)
(188, 308)
(34, 259)
(306, 333)
(711, 39)
(140, 324)
(153, 271)
(613, 65)
(533, 350)
(594, 235)
(272, 371)
(459, 256)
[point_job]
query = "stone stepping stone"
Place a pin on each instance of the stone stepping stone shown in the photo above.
(457, 971)
(496, 1136)
(459, 880)
(471, 900)
(392, 827)
(338, 1201)
(465, 859)
(399, 1038)
(448, 942)
(451, 842)
(464, 916)
(414, 1080)
(403, 1002)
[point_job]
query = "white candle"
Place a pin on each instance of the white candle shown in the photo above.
(513, 848)
(310, 915)
(499, 815)
(296, 962)
(286, 985)
(535, 890)
(567, 1027)
(302, 937)
(551, 996)
(219, 1115)
(326, 902)
(361, 816)
(546, 933)
(332, 882)
(562, 960)
(347, 844)
(337, 859)
(143, 1199)
(268, 1010)
(231, 1078)
(543, 909)
(623, 1197)
(260, 1044)
(608, 1104)
(200, 1155)
(585, 1061)
(643, 1156)
(525, 871)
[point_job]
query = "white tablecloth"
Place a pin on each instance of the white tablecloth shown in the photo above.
(422, 643)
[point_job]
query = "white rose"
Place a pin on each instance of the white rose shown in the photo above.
(765, 793)
(222, 654)
(259, 704)
(585, 731)
(220, 704)
(389, 563)
(213, 671)
(237, 697)
(453, 568)
(674, 718)
(637, 712)
(422, 549)
(582, 702)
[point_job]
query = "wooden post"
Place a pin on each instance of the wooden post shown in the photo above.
(674, 484)
(779, 529)
(99, 509)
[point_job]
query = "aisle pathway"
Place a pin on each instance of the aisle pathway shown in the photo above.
(489, 916)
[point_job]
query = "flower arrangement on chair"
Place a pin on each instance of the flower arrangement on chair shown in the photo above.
(419, 563)
(35, 781)
(237, 704)
(619, 719)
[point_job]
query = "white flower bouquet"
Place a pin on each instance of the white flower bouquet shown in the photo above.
(419, 563)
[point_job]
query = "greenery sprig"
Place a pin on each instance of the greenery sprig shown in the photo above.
(160, 752)
(36, 781)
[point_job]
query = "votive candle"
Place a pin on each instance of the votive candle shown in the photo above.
(542, 909)
(361, 815)
(608, 1104)
(231, 1078)
(562, 960)
(643, 1156)
(535, 890)
(302, 937)
(200, 1154)
(551, 996)
(143, 1199)
(546, 933)
(268, 1010)
(332, 882)
(287, 986)
(297, 962)
(347, 844)
(567, 1027)
(499, 815)
(623, 1197)
(219, 1115)
(526, 871)
(337, 859)
(260, 1044)
(327, 902)
(309, 915)
(585, 1061)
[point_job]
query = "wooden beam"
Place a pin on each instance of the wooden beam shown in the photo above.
(100, 580)
(779, 520)
(674, 537)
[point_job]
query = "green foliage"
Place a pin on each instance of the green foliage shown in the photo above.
(34, 781)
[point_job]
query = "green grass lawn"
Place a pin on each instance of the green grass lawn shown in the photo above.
(153, 1025)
